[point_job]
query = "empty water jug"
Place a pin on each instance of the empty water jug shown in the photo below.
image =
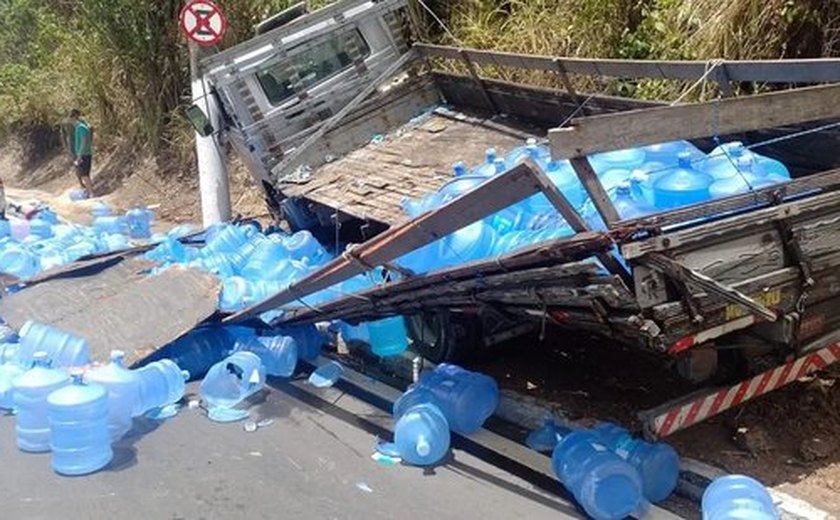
(199, 349)
(605, 486)
(467, 399)
(737, 497)
(5, 228)
(668, 153)
(225, 239)
(40, 228)
(303, 245)
(233, 379)
(681, 186)
(265, 260)
(626, 205)
(62, 348)
(657, 463)
(109, 225)
(421, 435)
(628, 159)
(78, 419)
(488, 167)
(744, 179)
(531, 150)
(279, 354)
(8, 373)
(18, 261)
(30, 392)
(161, 384)
(170, 249)
(19, 228)
(354, 333)
(388, 337)
(564, 177)
(100, 209)
(123, 388)
(139, 222)
(459, 169)
(473, 242)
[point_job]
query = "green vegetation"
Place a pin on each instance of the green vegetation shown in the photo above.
(124, 62)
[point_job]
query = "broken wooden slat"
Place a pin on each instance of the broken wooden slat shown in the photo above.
(820, 70)
(590, 135)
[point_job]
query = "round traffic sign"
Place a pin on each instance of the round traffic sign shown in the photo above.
(203, 22)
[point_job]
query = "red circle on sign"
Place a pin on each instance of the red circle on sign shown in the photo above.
(203, 22)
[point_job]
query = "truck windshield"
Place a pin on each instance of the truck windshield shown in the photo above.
(313, 65)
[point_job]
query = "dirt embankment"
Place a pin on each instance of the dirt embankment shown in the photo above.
(124, 177)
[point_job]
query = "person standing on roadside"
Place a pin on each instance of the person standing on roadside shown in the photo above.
(81, 141)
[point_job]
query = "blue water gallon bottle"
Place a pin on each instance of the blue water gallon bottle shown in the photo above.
(564, 177)
(100, 209)
(40, 228)
(421, 435)
(18, 261)
(605, 486)
(308, 338)
(354, 333)
(123, 386)
(161, 384)
(668, 153)
(199, 349)
(467, 399)
(303, 245)
(737, 497)
(78, 419)
(62, 348)
(223, 240)
(628, 159)
(681, 186)
(111, 224)
(232, 380)
(30, 391)
(263, 262)
(459, 169)
(139, 222)
(470, 243)
(388, 337)
(627, 206)
(279, 354)
(657, 463)
(8, 373)
(488, 167)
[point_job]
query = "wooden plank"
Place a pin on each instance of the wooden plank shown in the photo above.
(821, 70)
(493, 195)
(604, 133)
(595, 189)
(478, 83)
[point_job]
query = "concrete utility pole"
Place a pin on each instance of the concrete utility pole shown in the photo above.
(212, 170)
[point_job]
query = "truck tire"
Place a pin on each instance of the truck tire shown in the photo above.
(443, 336)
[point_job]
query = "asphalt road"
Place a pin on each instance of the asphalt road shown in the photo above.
(313, 462)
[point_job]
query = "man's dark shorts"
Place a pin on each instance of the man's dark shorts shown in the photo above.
(83, 169)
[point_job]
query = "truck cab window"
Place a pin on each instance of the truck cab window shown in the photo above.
(314, 65)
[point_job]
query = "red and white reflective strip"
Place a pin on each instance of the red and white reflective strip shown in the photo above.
(683, 344)
(702, 408)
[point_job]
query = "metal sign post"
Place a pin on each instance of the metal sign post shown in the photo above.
(205, 25)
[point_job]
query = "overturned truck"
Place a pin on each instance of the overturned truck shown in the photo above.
(743, 286)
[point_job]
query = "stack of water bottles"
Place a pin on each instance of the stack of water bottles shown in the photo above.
(28, 247)
(639, 181)
(447, 398)
(251, 265)
(65, 404)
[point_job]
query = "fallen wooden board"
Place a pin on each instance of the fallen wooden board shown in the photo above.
(114, 304)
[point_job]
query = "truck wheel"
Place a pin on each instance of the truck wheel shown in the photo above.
(442, 336)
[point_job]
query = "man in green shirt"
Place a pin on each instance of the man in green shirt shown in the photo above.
(82, 147)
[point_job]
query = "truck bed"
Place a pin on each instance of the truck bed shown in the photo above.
(411, 161)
